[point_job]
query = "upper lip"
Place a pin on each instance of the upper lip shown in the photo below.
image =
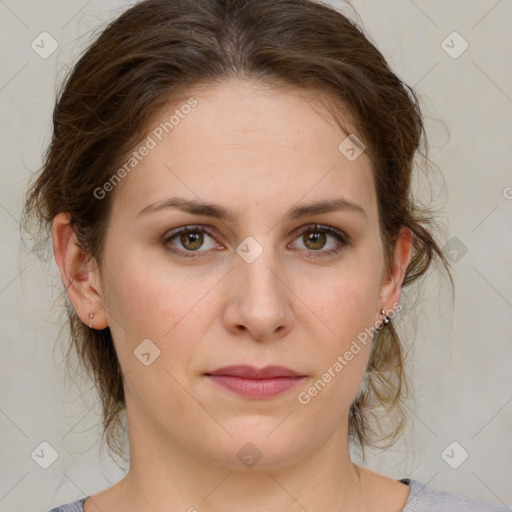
(250, 372)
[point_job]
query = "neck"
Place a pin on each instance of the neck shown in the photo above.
(178, 478)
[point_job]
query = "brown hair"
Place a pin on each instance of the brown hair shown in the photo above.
(156, 51)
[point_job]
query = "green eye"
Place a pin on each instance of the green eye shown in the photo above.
(314, 238)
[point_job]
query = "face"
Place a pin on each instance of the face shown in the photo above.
(256, 280)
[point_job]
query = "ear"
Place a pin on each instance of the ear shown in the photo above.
(80, 276)
(391, 287)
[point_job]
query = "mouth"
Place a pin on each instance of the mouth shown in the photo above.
(252, 382)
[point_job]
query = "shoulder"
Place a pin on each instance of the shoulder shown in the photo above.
(425, 499)
(74, 506)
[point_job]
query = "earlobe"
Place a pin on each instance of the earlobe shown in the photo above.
(78, 273)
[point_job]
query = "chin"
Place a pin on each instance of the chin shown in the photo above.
(257, 443)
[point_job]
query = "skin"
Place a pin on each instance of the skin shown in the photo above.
(258, 152)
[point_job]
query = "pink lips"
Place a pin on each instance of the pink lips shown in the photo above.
(252, 382)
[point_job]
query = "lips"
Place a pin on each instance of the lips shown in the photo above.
(255, 383)
(250, 372)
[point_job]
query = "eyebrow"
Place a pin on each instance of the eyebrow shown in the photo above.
(219, 212)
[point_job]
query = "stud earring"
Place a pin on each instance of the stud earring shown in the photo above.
(90, 320)
(385, 320)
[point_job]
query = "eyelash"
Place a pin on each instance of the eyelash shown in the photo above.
(342, 239)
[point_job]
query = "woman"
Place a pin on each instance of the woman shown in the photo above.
(228, 190)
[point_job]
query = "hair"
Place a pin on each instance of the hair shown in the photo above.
(155, 52)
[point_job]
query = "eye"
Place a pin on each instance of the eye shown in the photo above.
(314, 239)
(191, 239)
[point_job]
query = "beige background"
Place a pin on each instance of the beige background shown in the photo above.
(462, 354)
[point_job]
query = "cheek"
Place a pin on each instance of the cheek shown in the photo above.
(348, 306)
(148, 300)
(170, 307)
(346, 309)
(146, 305)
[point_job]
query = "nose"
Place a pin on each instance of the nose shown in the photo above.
(258, 299)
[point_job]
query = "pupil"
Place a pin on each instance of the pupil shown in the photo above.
(191, 237)
(315, 238)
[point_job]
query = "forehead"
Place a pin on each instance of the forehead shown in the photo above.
(249, 145)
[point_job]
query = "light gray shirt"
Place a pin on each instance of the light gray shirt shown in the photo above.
(421, 499)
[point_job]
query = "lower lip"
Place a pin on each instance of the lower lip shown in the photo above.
(256, 388)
